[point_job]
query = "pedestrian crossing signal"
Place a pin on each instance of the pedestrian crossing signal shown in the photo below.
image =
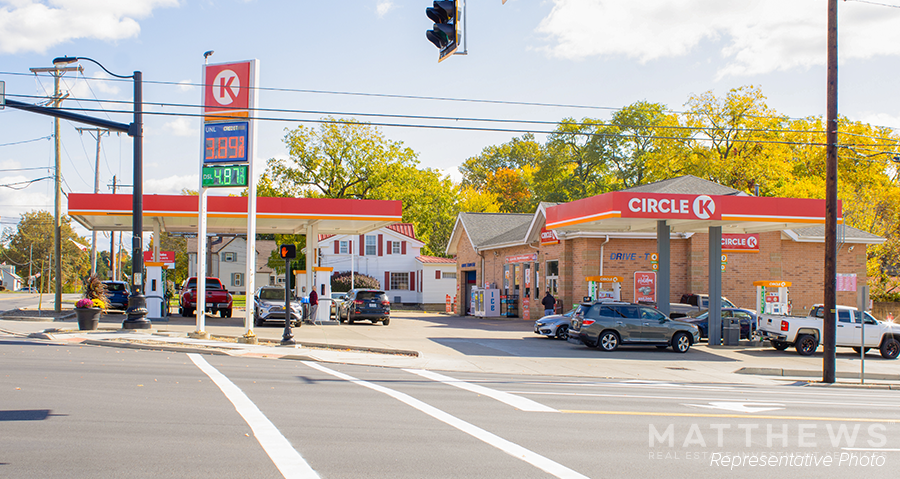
(288, 251)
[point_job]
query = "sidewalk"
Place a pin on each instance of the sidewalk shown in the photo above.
(449, 343)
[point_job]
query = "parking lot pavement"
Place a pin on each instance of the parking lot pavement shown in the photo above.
(444, 342)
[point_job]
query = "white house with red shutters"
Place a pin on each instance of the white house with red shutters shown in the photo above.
(392, 255)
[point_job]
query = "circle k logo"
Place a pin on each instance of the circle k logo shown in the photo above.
(226, 87)
(752, 242)
(703, 207)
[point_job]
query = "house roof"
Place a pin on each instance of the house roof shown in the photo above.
(845, 234)
(688, 185)
(487, 230)
(405, 229)
(435, 260)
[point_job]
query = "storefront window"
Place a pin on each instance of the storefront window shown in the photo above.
(527, 276)
(506, 277)
(553, 277)
(537, 280)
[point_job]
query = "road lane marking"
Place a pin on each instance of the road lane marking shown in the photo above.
(514, 450)
(750, 407)
(288, 461)
(517, 402)
(736, 416)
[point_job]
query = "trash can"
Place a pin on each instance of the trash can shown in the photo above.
(731, 332)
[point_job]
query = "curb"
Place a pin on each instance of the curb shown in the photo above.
(154, 347)
(816, 374)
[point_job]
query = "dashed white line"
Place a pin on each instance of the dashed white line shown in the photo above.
(515, 450)
(288, 461)
(517, 402)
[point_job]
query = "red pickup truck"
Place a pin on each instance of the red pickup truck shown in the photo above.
(218, 299)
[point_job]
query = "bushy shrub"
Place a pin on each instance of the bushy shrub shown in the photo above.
(340, 282)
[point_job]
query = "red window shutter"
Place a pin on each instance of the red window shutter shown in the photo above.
(388, 247)
(403, 247)
(387, 280)
(362, 245)
(380, 252)
(337, 245)
(437, 274)
(412, 281)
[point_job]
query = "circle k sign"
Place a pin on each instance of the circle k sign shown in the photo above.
(672, 206)
(227, 87)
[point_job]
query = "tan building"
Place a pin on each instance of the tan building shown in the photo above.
(509, 252)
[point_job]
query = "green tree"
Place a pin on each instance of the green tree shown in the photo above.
(33, 238)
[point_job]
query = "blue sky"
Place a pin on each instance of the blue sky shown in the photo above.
(592, 53)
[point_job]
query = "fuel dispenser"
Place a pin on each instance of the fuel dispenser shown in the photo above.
(155, 290)
(772, 297)
(596, 291)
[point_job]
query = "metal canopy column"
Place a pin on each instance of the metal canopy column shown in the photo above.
(714, 319)
(663, 277)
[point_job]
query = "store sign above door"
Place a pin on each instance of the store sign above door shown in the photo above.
(671, 206)
(548, 237)
(736, 243)
(522, 258)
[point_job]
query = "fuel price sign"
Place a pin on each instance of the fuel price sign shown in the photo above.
(224, 176)
(225, 142)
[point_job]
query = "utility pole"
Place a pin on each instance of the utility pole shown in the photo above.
(57, 72)
(113, 254)
(100, 132)
(831, 185)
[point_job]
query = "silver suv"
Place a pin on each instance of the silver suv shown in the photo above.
(606, 325)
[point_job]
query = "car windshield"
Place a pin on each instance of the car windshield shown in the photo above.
(271, 294)
(370, 296)
(210, 284)
(115, 287)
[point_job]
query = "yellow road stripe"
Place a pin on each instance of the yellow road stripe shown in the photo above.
(736, 416)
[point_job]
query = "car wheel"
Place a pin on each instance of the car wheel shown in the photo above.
(181, 311)
(806, 345)
(562, 332)
(681, 343)
(188, 312)
(350, 319)
(340, 318)
(860, 351)
(780, 345)
(890, 348)
(386, 321)
(258, 322)
(608, 341)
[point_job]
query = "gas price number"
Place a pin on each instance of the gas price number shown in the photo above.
(225, 142)
(224, 176)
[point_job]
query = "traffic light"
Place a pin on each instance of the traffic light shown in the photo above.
(445, 33)
(288, 251)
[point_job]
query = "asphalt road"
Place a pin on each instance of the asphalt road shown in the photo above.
(82, 411)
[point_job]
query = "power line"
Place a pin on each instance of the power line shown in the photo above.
(27, 141)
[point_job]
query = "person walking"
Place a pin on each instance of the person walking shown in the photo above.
(548, 303)
(313, 306)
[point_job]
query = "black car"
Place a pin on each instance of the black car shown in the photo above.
(368, 304)
(117, 294)
(608, 324)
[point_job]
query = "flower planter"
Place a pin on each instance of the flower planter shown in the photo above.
(88, 318)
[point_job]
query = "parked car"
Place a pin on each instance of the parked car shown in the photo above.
(555, 325)
(218, 299)
(609, 324)
(805, 333)
(117, 294)
(336, 300)
(746, 317)
(369, 304)
(268, 305)
(27, 289)
(693, 304)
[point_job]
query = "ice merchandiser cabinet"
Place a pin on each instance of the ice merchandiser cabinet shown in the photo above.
(486, 302)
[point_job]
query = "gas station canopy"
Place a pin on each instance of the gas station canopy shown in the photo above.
(228, 214)
(636, 211)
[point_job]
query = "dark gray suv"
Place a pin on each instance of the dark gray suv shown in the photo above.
(607, 325)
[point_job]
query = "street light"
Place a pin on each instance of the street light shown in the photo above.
(137, 304)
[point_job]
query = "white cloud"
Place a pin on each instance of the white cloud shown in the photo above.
(171, 185)
(186, 85)
(35, 26)
(383, 7)
(754, 37)
(182, 127)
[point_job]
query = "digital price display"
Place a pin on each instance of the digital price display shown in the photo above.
(224, 176)
(225, 142)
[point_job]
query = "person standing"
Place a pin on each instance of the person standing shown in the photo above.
(548, 303)
(313, 306)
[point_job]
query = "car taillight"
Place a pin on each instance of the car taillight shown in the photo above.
(358, 302)
(587, 322)
(784, 325)
(385, 303)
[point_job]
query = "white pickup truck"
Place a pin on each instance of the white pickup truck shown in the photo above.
(805, 333)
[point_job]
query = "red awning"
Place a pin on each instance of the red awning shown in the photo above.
(228, 214)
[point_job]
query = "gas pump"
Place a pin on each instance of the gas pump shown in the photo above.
(596, 291)
(155, 290)
(772, 297)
